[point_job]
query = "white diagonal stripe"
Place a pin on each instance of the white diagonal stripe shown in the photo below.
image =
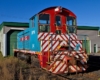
(48, 47)
(56, 57)
(63, 42)
(58, 37)
(58, 67)
(53, 37)
(72, 68)
(81, 55)
(72, 36)
(64, 37)
(55, 45)
(74, 42)
(75, 36)
(51, 46)
(40, 36)
(54, 65)
(67, 36)
(47, 38)
(62, 57)
(72, 45)
(65, 52)
(63, 68)
(76, 56)
(44, 45)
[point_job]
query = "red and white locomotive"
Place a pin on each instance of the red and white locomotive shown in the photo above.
(52, 36)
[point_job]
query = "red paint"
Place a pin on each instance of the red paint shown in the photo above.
(24, 38)
(41, 59)
(45, 59)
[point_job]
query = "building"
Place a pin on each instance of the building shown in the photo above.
(93, 34)
(8, 36)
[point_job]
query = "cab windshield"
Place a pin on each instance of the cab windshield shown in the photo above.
(71, 24)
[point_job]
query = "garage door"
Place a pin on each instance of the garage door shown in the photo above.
(12, 41)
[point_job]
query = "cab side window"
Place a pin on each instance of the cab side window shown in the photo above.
(71, 21)
(71, 24)
(44, 23)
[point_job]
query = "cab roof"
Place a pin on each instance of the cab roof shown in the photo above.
(52, 8)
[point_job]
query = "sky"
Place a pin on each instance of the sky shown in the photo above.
(87, 11)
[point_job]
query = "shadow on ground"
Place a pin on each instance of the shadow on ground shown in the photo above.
(93, 63)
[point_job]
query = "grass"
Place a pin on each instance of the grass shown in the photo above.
(1, 56)
(8, 67)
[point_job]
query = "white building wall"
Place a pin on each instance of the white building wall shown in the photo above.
(4, 45)
(2, 42)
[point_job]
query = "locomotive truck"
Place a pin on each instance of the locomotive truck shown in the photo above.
(51, 42)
